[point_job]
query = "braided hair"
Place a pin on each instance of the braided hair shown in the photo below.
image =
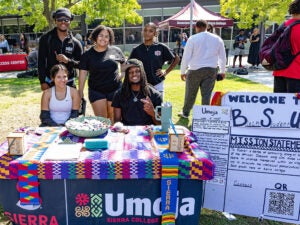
(126, 87)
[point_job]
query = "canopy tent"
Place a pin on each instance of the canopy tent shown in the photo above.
(182, 18)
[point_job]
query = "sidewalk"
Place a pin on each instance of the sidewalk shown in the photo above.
(12, 74)
(259, 75)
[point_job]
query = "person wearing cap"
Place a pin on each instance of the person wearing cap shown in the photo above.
(154, 55)
(102, 62)
(134, 104)
(58, 46)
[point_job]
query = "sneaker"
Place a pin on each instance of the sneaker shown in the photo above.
(182, 115)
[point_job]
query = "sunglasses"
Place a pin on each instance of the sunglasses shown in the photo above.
(66, 20)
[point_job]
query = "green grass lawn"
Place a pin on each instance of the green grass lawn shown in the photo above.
(175, 89)
(19, 106)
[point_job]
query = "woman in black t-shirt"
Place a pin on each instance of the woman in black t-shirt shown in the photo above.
(102, 61)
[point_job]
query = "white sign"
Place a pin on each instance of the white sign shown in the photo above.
(257, 166)
(263, 109)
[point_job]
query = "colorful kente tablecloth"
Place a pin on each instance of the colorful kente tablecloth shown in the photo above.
(140, 154)
(130, 156)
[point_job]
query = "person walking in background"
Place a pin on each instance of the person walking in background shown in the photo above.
(253, 57)
(23, 43)
(239, 47)
(102, 61)
(184, 39)
(203, 54)
(4, 46)
(153, 56)
(288, 80)
(210, 28)
(80, 39)
(60, 102)
(58, 46)
(134, 104)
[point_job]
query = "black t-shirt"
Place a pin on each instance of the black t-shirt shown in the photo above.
(133, 112)
(153, 58)
(103, 68)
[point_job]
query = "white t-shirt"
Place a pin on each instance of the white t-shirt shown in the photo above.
(60, 110)
(203, 49)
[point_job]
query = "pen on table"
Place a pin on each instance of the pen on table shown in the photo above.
(173, 127)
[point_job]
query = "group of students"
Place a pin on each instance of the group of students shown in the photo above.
(125, 91)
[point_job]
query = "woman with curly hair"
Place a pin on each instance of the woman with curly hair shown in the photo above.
(102, 61)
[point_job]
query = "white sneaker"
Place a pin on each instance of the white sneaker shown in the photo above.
(182, 115)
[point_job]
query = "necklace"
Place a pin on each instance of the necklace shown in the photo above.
(147, 47)
(135, 99)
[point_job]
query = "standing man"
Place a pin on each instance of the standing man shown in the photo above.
(153, 56)
(239, 47)
(203, 54)
(135, 102)
(58, 46)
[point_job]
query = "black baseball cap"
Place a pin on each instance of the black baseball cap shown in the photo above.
(62, 12)
(132, 63)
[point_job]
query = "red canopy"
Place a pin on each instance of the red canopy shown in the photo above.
(182, 18)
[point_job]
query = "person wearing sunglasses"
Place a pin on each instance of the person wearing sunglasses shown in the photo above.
(59, 46)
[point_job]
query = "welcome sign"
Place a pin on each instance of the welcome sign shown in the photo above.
(254, 140)
(263, 110)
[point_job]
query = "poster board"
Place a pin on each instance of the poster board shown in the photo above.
(254, 139)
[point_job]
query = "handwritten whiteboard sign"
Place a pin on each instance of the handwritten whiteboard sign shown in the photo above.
(257, 167)
(263, 109)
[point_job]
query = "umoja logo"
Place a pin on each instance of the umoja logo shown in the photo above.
(117, 205)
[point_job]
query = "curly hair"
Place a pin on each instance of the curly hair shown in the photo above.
(97, 31)
(294, 7)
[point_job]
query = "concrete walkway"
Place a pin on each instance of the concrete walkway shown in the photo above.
(12, 74)
(259, 75)
(256, 75)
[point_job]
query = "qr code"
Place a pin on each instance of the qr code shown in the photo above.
(281, 203)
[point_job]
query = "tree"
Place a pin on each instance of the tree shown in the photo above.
(39, 13)
(251, 12)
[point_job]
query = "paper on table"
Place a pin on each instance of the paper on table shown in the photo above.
(62, 152)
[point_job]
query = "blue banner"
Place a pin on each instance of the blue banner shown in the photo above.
(84, 202)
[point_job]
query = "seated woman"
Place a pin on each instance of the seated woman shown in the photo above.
(135, 102)
(60, 102)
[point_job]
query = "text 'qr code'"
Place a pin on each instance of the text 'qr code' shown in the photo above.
(281, 203)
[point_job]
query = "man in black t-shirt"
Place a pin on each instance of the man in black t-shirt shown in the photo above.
(135, 102)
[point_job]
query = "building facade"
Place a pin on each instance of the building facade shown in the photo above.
(127, 35)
